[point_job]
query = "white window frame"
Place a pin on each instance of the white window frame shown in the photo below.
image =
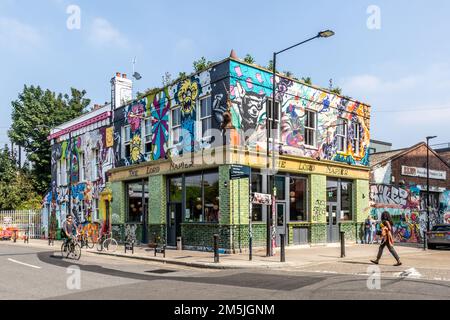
(313, 129)
(174, 127)
(356, 138)
(82, 167)
(126, 142)
(146, 135)
(342, 133)
(59, 171)
(200, 118)
(276, 120)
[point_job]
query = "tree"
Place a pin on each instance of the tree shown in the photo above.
(249, 59)
(201, 64)
(336, 90)
(16, 190)
(34, 113)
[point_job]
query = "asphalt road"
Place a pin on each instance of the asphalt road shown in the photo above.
(33, 273)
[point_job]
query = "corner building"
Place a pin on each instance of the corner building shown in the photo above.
(173, 159)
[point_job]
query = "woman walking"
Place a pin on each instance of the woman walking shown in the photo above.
(387, 239)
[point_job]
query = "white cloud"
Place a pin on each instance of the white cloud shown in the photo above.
(17, 35)
(103, 33)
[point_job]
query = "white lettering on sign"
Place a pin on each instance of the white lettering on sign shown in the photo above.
(422, 173)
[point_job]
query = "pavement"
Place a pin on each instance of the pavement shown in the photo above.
(417, 263)
(37, 271)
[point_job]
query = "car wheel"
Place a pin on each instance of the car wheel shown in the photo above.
(431, 246)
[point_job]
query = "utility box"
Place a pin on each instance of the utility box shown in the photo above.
(179, 244)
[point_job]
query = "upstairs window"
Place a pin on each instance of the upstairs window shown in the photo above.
(127, 141)
(176, 126)
(356, 137)
(148, 136)
(96, 165)
(205, 117)
(310, 128)
(341, 134)
(274, 116)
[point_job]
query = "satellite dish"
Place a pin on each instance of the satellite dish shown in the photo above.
(137, 76)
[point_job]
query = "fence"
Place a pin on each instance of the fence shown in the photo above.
(25, 221)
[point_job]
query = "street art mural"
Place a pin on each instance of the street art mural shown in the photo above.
(159, 112)
(250, 88)
(445, 206)
(184, 94)
(407, 208)
(98, 159)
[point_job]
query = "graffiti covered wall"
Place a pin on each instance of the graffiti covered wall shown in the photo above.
(408, 210)
(96, 148)
(251, 87)
(184, 95)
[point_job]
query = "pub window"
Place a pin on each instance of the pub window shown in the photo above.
(346, 201)
(96, 164)
(310, 128)
(68, 170)
(257, 209)
(297, 198)
(137, 193)
(205, 117)
(356, 137)
(341, 134)
(176, 126)
(82, 167)
(148, 136)
(275, 117)
(211, 196)
(127, 141)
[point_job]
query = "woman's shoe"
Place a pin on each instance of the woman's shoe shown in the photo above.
(374, 261)
(398, 264)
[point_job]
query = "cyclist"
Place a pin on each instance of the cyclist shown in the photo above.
(69, 230)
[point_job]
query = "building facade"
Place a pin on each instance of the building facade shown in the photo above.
(174, 151)
(399, 186)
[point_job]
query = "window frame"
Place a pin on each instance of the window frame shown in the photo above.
(311, 129)
(147, 135)
(356, 141)
(126, 143)
(275, 121)
(342, 123)
(174, 127)
(201, 118)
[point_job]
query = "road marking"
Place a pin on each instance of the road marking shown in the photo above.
(410, 273)
(25, 264)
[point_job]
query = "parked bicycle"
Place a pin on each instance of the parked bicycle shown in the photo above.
(71, 248)
(107, 242)
(86, 241)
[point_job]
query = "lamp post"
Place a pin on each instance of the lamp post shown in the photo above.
(428, 181)
(270, 125)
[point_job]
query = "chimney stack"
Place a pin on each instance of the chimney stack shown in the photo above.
(121, 90)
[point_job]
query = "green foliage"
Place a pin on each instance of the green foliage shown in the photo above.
(166, 79)
(307, 80)
(249, 59)
(201, 64)
(16, 189)
(34, 113)
(336, 90)
(182, 75)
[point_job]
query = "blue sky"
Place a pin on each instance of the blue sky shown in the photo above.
(401, 69)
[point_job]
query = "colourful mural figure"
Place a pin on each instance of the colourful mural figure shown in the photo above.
(187, 94)
(251, 88)
(134, 115)
(159, 111)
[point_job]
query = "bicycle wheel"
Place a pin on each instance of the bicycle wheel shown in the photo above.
(76, 252)
(110, 245)
(99, 245)
(63, 250)
(90, 242)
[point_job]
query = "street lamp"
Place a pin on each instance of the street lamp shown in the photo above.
(270, 118)
(428, 181)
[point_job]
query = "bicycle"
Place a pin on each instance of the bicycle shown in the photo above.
(84, 240)
(106, 241)
(71, 248)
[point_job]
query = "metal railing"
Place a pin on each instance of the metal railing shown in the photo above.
(27, 222)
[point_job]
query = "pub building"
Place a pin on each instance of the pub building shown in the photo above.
(176, 149)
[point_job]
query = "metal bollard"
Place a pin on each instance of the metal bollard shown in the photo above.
(342, 244)
(250, 249)
(425, 239)
(216, 248)
(283, 252)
